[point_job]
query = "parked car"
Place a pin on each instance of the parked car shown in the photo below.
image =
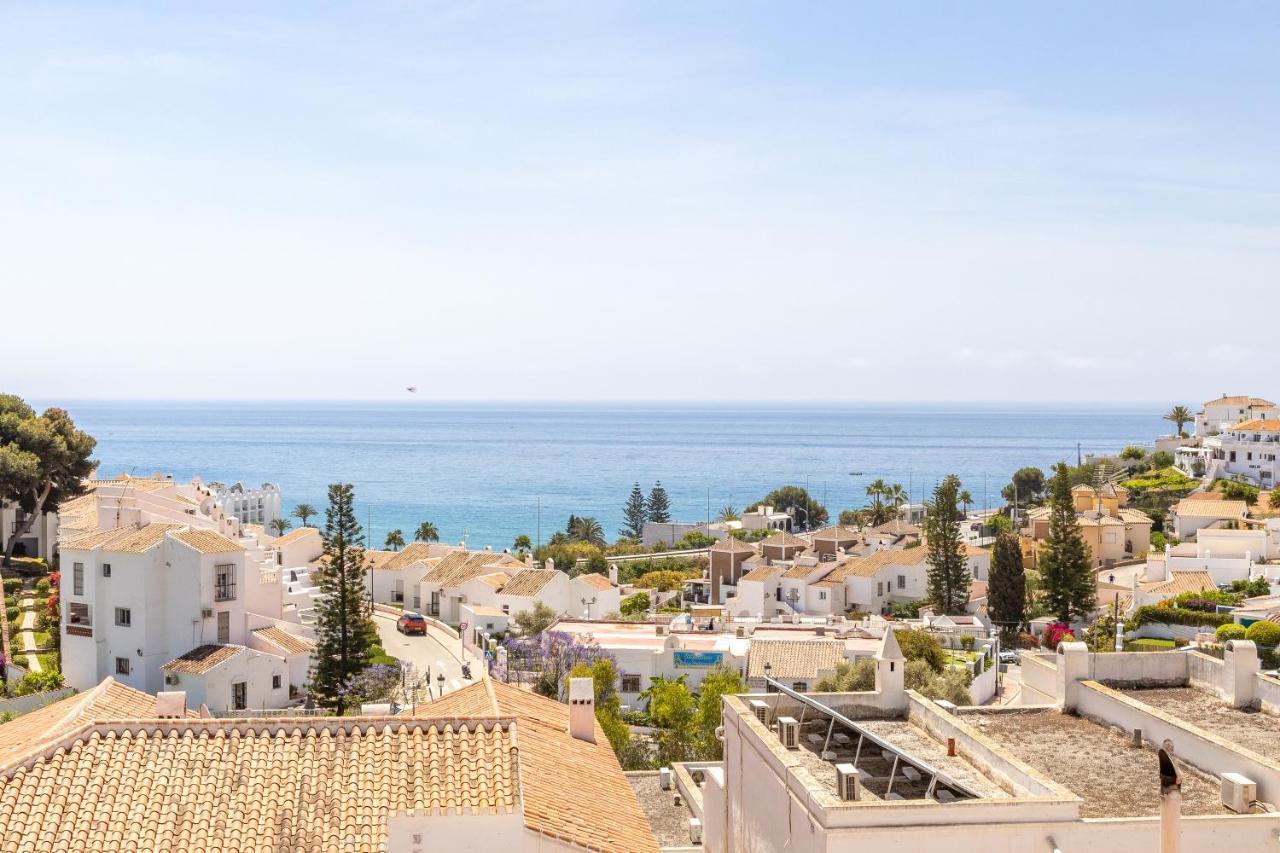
(1008, 656)
(412, 623)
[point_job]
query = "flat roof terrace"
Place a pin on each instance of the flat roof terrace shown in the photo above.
(877, 766)
(1113, 777)
(1255, 730)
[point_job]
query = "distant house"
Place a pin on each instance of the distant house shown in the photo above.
(1112, 530)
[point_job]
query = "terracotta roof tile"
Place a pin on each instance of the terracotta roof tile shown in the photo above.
(793, 658)
(762, 573)
(252, 785)
(732, 545)
(294, 535)
(201, 659)
(280, 638)
(527, 582)
(1180, 582)
(597, 582)
(206, 541)
(609, 819)
(1193, 508)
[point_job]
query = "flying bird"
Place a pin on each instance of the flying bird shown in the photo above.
(412, 389)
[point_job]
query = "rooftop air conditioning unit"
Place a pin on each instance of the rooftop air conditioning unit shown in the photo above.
(761, 709)
(695, 831)
(848, 782)
(1238, 793)
(206, 612)
(789, 732)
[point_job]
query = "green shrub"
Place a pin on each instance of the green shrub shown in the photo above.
(966, 642)
(12, 585)
(11, 613)
(38, 682)
(1264, 634)
(10, 601)
(1231, 631)
(42, 586)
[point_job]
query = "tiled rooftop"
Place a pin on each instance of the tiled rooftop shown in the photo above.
(290, 643)
(201, 659)
(252, 785)
(573, 789)
(206, 541)
(793, 659)
(529, 581)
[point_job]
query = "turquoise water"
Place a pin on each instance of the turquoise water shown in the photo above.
(480, 470)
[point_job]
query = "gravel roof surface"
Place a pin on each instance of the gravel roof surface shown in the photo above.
(1255, 730)
(1098, 764)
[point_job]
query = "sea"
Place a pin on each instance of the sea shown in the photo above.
(485, 474)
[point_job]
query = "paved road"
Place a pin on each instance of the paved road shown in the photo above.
(434, 653)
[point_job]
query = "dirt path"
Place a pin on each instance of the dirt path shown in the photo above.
(27, 631)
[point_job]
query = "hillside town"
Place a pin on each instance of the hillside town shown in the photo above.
(1090, 665)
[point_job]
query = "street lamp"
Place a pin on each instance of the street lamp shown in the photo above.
(586, 604)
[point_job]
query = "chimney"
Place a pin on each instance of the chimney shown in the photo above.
(171, 703)
(550, 564)
(1170, 802)
(582, 709)
(613, 573)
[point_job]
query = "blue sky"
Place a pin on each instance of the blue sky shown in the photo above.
(639, 201)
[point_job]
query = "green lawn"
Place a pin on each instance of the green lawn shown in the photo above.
(1149, 644)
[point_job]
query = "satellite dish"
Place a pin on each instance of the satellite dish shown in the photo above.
(412, 389)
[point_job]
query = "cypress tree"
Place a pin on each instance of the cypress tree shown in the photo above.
(344, 621)
(659, 505)
(635, 512)
(948, 578)
(1007, 589)
(1066, 564)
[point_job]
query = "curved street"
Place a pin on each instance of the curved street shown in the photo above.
(428, 657)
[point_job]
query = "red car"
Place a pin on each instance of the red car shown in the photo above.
(412, 623)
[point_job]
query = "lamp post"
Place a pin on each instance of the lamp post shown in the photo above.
(586, 604)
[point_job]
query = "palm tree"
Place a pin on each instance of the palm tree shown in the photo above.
(587, 530)
(522, 543)
(896, 496)
(965, 499)
(279, 526)
(426, 532)
(729, 513)
(395, 540)
(303, 512)
(1180, 415)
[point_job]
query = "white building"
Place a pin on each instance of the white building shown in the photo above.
(1191, 515)
(138, 599)
(1220, 414)
(250, 506)
(1246, 450)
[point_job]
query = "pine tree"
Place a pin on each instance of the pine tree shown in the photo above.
(344, 624)
(659, 505)
(635, 512)
(1007, 589)
(948, 578)
(1066, 564)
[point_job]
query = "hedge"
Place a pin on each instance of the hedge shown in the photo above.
(1149, 644)
(1264, 633)
(1154, 614)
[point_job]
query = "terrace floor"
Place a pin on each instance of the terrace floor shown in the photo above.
(1255, 730)
(1101, 766)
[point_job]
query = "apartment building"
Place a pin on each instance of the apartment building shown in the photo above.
(1246, 450)
(1220, 414)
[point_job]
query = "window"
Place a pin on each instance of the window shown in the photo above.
(630, 683)
(224, 582)
(800, 686)
(239, 696)
(822, 595)
(78, 614)
(879, 589)
(77, 578)
(506, 608)
(397, 594)
(224, 627)
(122, 666)
(124, 617)
(106, 570)
(275, 682)
(902, 581)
